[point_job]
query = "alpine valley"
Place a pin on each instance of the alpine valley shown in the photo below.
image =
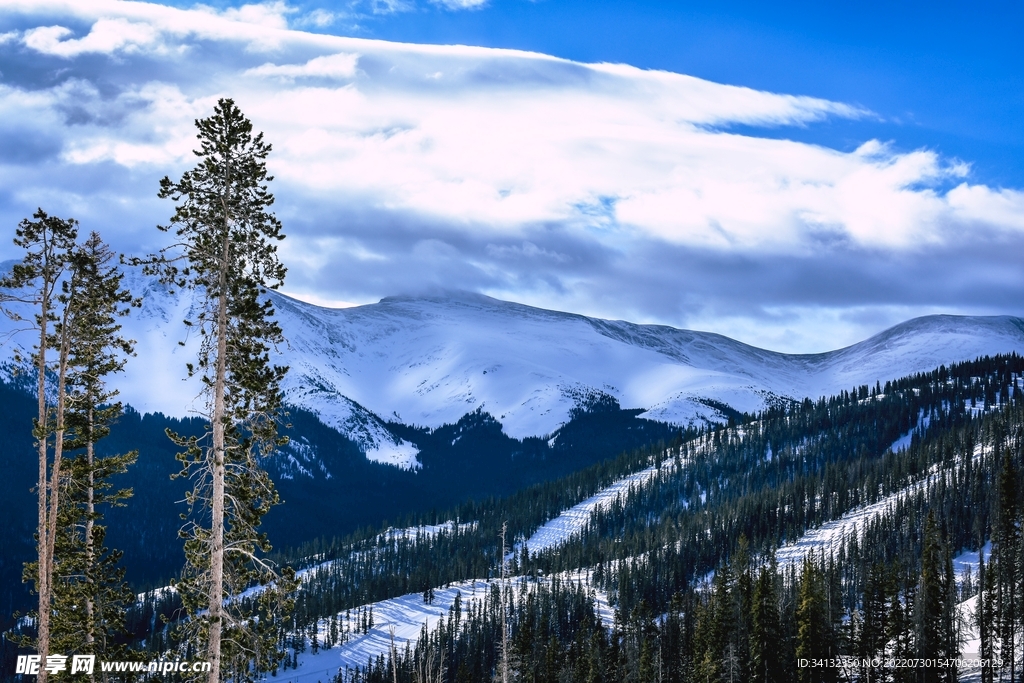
(420, 424)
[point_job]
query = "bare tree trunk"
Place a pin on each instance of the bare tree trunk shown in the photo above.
(58, 452)
(217, 500)
(394, 654)
(43, 570)
(504, 611)
(90, 507)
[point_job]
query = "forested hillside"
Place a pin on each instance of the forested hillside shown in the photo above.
(329, 486)
(687, 560)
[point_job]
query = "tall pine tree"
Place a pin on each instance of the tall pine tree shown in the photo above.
(34, 283)
(1007, 538)
(935, 627)
(984, 618)
(226, 254)
(90, 595)
(814, 630)
(766, 631)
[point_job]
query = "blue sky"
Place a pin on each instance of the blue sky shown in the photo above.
(795, 176)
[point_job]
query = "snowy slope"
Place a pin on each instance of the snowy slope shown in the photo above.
(559, 530)
(430, 360)
(406, 616)
(830, 536)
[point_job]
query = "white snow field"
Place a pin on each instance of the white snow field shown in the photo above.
(571, 521)
(964, 563)
(430, 360)
(406, 614)
(829, 536)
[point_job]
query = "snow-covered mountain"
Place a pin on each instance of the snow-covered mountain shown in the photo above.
(430, 360)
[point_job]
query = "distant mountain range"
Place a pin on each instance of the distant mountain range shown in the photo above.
(425, 403)
(428, 361)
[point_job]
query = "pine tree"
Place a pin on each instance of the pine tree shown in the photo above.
(874, 623)
(716, 628)
(984, 616)
(743, 602)
(934, 623)
(1007, 537)
(48, 242)
(902, 601)
(226, 248)
(90, 594)
(813, 638)
(766, 631)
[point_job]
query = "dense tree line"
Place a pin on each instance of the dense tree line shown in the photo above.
(720, 503)
(826, 458)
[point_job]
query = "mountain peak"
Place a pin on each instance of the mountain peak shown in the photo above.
(443, 295)
(431, 357)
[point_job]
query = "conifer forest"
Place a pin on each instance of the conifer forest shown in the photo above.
(694, 574)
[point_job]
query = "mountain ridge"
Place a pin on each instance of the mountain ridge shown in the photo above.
(554, 355)
(428, 360)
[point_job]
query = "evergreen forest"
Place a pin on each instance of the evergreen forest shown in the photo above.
(696, 564)
(689, 564)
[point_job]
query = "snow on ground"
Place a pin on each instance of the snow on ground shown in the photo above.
(829, 536)
(972, 644)
(605, 611)
(425, 531)
(573, 520)
(412, 533)
(156, 594)
(407, 615)
(431, 360)
(966, 565)
(903, 443)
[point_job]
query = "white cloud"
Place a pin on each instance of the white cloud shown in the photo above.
(341, 65)
(158, 132)
(319, 18)
(1002, 208)
(106, 36)
(391, 6)
(460, 4)
(123, 24)
(698, 101)
(268, 14)
(512, 172)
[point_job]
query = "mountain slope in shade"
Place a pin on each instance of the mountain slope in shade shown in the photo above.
(428, 361)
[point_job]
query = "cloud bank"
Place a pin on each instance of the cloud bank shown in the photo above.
(597, 188)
